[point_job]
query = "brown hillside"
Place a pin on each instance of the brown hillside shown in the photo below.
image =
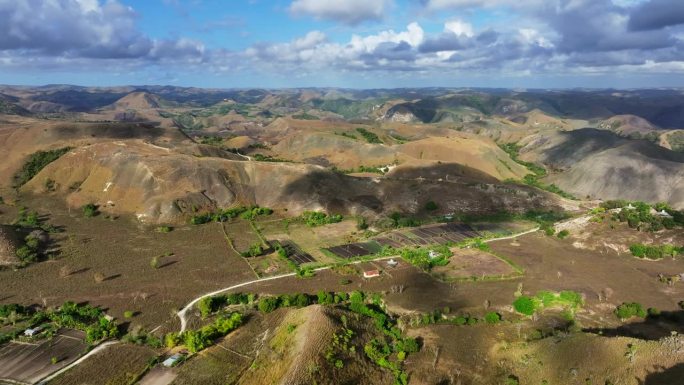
(601, 164)
(469, 150)
(136, 101)
(159, 185)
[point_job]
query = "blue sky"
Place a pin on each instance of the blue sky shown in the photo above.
(350, 43)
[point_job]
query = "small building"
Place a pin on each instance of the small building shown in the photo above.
(433, 254)
(371, 273)
(32, 332)
(173, 360)
(392, 263)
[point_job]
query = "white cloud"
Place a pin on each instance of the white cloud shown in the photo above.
(345, 11)
(82, 28)
(459, 28)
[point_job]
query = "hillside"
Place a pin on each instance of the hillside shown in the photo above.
(600, 164)
(137, 101)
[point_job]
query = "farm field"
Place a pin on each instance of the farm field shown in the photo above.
(192, 260)
(439, 234)
(473, 264)
(29, 362)
(119, 363)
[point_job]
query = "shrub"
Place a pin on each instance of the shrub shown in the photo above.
(164, 229)
(492, 318)
(525, 305)
(26, 254)
(268, 304)
(563, 234)
(154, 262)
(431, 206)
(128, 314)
(629, 310)
(90, 210)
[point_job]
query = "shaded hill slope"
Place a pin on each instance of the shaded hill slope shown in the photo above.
(601, 164)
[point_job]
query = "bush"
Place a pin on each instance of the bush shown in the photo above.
(629, 310)
(90, 210)
(164, 229)
(431, 206)
(492, 318)
(268, 304)
(128, 314)
(563, 234)
(525, 305)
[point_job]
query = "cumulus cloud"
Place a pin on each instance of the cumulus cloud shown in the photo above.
(563, 36)
(656, 14)
(348, 11)
(82, 29)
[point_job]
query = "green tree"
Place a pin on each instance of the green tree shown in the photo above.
(268, 304)
(492, 318)
(525, 305)
(431, 206)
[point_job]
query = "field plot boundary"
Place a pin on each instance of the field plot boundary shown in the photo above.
(295, 253)
(29, 363)
(436, 234)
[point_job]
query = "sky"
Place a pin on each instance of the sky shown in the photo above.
(344, 43)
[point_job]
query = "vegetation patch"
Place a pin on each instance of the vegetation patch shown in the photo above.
(427, 258)
(197, 340)
(639, 215)
(244, 212)
(628, 310)
(87, 318)
(567, 299)
(655, 252)
(317, 218)
(369, 136)
(538, 172)
(36, 162)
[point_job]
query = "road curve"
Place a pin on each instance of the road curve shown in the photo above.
(182, 313)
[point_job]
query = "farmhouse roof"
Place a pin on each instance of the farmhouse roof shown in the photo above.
(371, 273)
